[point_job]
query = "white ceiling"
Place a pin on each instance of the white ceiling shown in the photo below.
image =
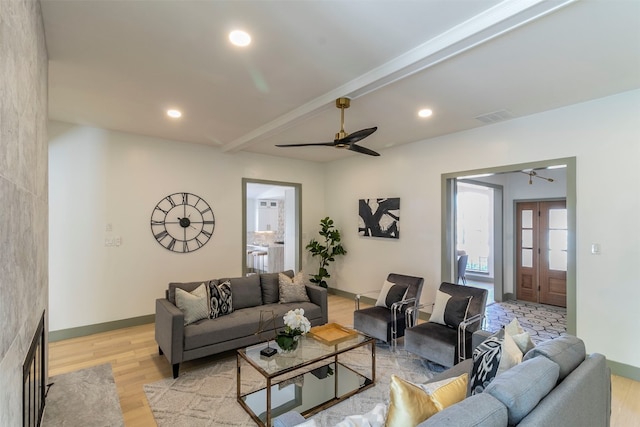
(120, 64)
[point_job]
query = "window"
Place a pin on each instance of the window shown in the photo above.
(475, 225)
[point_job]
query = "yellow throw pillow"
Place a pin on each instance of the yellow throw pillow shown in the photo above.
(411, 404)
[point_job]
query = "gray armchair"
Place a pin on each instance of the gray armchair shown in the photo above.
(444, 344)
(388, 323)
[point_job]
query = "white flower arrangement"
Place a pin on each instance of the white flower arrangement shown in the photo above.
(295, 323)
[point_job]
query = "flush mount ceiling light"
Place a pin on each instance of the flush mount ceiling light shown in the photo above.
(532, 174)
(174, 114)
(239, 38)
(425, 112)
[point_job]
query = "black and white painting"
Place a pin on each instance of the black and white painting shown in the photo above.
(379, 218)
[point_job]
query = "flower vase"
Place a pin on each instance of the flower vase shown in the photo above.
(287, 342)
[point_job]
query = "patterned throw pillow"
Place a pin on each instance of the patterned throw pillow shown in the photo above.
(221, 299)
(194, 305)
(491, 358)
(292, 290)
(486, 358)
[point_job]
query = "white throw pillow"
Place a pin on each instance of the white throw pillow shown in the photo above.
(194, 305)
(390, 294)
(437, 315)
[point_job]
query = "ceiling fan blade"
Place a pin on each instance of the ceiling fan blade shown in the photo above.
(328, 144)
(357, 136)
(359, 149)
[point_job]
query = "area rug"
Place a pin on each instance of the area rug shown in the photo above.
(542, 321)
(207, 396)
(84, 398)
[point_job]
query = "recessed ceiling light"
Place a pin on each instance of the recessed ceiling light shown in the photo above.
(239, 38)
(174, 114)
(425, 112)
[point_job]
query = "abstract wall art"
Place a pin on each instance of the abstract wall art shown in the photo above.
(379, 218)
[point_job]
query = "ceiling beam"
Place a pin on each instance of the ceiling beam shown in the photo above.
(500, 19)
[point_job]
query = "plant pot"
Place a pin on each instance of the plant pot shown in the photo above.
(287, 342)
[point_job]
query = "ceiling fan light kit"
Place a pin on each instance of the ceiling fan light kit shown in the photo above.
(342, 138)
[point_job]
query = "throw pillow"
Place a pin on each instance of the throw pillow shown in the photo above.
(449, 310)
(491, 358)
(193, 304)
(411, 404)
(390, 294)
(221, 301)
(486, 358)
(292, 290)
(519, 335)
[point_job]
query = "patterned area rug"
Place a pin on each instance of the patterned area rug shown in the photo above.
(84, 398)
(207, 396)
(543, 322)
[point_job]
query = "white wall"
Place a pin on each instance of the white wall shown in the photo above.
(100, 177)
(516, 187)
(603, 135)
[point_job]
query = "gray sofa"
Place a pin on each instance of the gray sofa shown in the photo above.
(579, 397)
(557, 384)
(180, 343)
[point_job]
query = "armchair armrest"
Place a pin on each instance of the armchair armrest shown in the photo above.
(318, 296)
(169, 330)
(411, 315)
(360, 294)
(462, 329)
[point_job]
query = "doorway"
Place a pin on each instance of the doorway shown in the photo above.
(448, 238)
(541, 252)
(271, 232)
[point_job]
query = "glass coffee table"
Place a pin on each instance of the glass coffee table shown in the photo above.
(313, 377)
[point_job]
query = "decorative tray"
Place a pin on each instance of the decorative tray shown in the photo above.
(332, 333)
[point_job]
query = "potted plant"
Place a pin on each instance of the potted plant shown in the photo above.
(327, 250)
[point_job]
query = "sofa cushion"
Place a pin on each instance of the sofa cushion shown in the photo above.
(523, 386)
(481, 410)
(567, 351)
(411, 404)
(246, 291)
(292, 290)
(270, 286)
(240, 323)
(194, 305)
(220, 299)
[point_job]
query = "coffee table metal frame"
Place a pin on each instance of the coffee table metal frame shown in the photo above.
(328, 353)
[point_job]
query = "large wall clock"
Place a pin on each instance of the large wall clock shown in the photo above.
(182, 222)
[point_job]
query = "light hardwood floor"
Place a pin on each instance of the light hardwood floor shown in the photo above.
(133, 355)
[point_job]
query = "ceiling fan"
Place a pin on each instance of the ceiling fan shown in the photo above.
(343, 139)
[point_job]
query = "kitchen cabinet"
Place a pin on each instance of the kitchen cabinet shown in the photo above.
(267, 215)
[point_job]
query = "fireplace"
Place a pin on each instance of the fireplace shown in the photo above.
(33, 379)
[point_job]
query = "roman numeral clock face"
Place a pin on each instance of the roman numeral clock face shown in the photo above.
(182, 222)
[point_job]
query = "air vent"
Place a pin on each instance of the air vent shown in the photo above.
(496, 116)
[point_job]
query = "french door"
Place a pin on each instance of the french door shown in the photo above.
(541, 252)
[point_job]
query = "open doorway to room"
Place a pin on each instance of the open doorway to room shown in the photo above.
(271, 226)
(518, 185)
